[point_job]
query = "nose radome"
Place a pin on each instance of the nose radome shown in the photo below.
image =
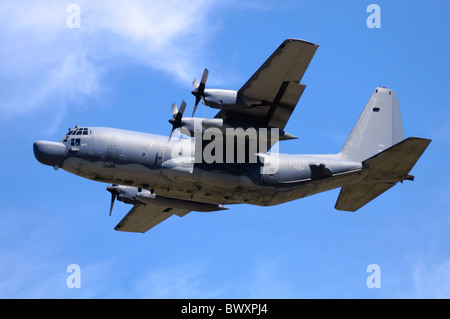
(49, 153)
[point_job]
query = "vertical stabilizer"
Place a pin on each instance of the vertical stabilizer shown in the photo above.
(378, 128)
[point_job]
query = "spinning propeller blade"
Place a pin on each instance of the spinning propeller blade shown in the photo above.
(177, 115)
(114, 190)
(199, 89)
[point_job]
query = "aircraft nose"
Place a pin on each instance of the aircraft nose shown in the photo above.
(49, 153)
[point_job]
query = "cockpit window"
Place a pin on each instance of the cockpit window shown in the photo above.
(79, 131)
(76, 131)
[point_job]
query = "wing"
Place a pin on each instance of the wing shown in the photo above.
(143, 217)
(275, 86)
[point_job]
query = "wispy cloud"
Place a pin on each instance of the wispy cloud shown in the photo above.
(266, 281)
(187, 280)
(43, 61)
(430, 277)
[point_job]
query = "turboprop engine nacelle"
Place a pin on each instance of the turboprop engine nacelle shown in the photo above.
(220, 99)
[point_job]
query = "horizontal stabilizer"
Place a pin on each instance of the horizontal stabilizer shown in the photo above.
(354, 196)
(397, 161)
(384, 170)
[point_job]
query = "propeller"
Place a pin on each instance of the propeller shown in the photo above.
(176, 117)
(114, 190)
(199, 89)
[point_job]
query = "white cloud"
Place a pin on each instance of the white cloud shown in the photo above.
(266, 281)
(186, 280)
(43, 62)
(194, 278)
(431, 277)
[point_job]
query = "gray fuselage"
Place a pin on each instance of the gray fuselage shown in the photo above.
(149, 161)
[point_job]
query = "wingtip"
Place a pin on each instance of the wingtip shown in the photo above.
(300, 40)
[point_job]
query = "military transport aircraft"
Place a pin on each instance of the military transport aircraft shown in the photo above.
(226, 160)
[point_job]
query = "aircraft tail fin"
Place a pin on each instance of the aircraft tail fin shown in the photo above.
(378, 128)
(383, 171)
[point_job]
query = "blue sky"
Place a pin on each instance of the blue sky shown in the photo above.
(124, 67)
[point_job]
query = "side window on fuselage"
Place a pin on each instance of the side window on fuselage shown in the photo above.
(75, 142)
